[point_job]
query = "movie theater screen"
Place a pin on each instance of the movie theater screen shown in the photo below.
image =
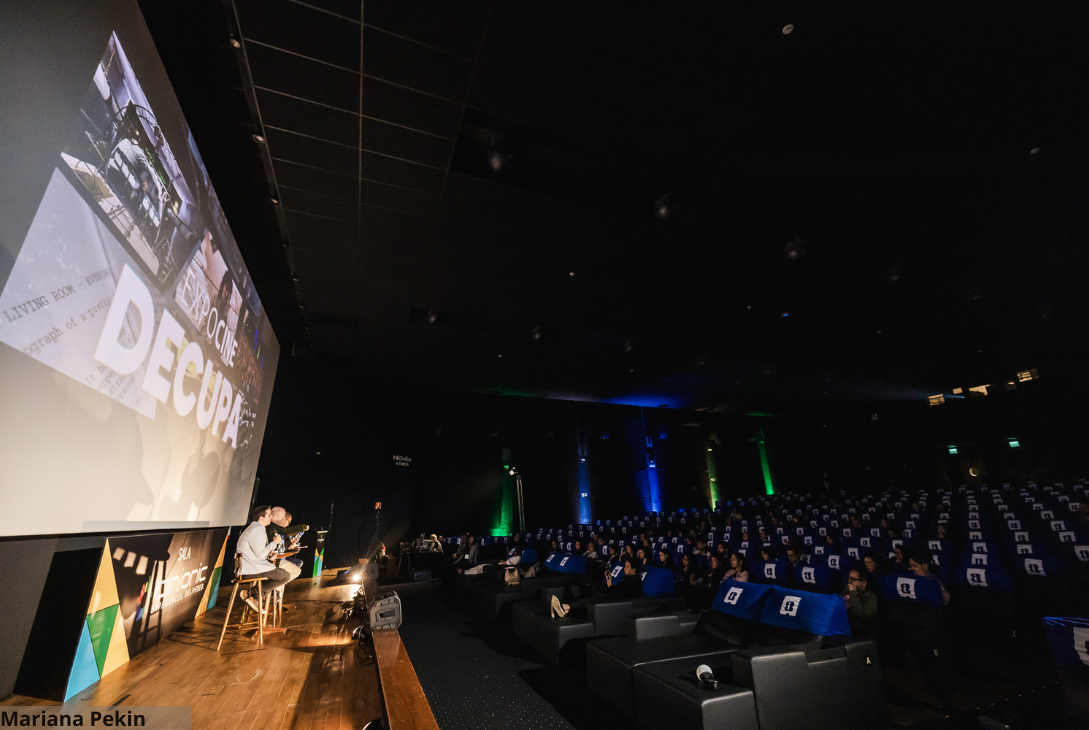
(136, 360)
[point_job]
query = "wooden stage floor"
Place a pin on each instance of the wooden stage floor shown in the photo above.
(309, 677)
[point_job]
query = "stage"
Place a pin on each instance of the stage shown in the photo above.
(310, 676)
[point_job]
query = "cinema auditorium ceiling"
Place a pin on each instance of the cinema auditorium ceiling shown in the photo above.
(733, 205)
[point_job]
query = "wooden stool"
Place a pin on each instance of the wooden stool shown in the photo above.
(244, 625)
(275, 600)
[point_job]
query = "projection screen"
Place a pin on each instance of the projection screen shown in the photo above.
(136, 359)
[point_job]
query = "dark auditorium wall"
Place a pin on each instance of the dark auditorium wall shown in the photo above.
(453, 445)
(455, 442)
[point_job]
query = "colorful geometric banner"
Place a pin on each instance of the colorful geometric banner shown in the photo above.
(147, 586)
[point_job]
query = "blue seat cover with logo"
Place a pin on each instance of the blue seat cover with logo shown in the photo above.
(529, 556)
(911, 588)
(657, 582)
(989, 578)
(743, 600)
(814, 613)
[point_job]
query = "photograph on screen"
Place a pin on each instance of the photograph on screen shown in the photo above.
(130, 283)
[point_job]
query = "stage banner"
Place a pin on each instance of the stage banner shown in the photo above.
(164, 581)
(147, 587)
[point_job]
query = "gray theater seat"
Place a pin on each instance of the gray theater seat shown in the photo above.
(835, 686)
(610, 662)
(495, 599)
(668, 695)
(558, 639)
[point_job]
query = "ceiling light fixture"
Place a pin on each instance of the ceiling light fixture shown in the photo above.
(258, 139)
(1034, 151)
(235, 44)
(788, 29)
(665, 209)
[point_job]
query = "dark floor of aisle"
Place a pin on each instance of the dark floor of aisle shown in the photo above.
(477, 674)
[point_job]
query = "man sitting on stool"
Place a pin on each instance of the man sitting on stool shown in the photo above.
(281, 525)
(255, 552)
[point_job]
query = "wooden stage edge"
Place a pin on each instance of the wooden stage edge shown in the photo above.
(311, 677)
(406, 706)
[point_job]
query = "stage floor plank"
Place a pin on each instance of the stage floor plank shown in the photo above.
(307, 678)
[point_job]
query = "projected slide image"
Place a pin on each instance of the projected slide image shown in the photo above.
(126, 164)
(129, 282)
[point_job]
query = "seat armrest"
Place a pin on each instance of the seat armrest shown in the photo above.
(654, 626)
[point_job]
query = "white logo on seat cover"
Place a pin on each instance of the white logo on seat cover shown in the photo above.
(935, 544)
(1082, 551)
(905, 587)
(1034, 566)
(833, 562)
(563, 561)
(979, 547)
(790, 606)
(769, 570)
(732, 595)
(809, 575)
(1024, 549)
(1081, 644)
(1066, 537)
(977, 577)
(853, 552)
(979, 559)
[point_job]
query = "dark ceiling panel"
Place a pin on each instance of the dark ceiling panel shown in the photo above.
(415, 66)
(406, 144)
(348, 9)
(393, 198)
(293, 27)
(409, 108)
(309, 232)
(292, 147)
(303, 78)
(895, 141)
(454, 27)
(319, 205)
(315, 120)
(301, 177)
(382, 168)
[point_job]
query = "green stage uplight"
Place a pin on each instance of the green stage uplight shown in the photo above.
(952, 449)
(1015, 444)
(712, 474)
(769, 488)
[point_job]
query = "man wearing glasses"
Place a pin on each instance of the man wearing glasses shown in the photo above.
(861, 604)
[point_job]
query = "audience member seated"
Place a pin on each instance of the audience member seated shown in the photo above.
(739, 569)
(716, 571)
(469, 557)
(591, 551)
(629, 586)
(861, 604)
(875, 566)
(900, 562)
(920, 564)
(255, 551)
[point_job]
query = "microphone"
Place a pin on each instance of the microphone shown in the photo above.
(706, 676)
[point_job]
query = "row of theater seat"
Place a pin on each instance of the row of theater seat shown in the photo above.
(782, 658)
(993, 537)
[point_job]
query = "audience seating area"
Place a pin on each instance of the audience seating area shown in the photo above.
(949, 566)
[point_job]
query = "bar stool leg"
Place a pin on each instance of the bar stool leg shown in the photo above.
(261, 615)
(227, 618)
